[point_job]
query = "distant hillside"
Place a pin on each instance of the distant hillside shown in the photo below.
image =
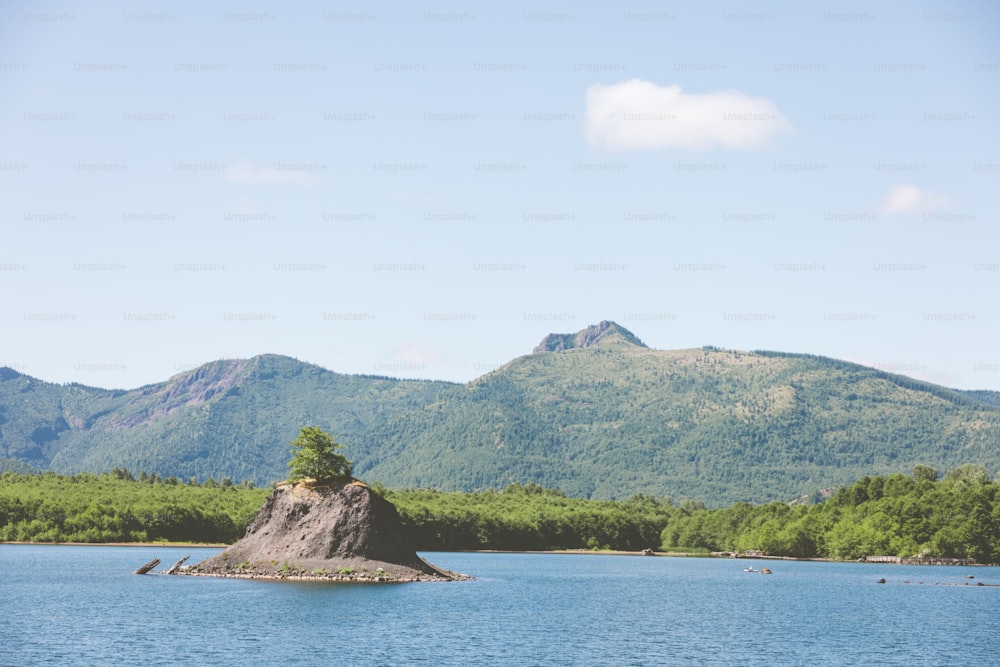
(594, 414)
(715, 425)
(988, 397)
(224, 419)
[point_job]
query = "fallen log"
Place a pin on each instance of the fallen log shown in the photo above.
(176, 566)
(148, 566)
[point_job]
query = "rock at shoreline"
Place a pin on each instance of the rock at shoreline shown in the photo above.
(338, 531)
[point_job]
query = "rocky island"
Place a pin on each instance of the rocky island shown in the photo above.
(337, 530)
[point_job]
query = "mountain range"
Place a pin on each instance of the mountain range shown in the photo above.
(595, 414)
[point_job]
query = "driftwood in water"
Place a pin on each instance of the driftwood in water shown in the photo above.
(148, 566)
(176, 566)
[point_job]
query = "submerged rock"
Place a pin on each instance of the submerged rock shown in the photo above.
(339, 531)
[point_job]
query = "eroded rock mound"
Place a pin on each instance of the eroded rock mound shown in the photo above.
(604, 333)
(339, 531)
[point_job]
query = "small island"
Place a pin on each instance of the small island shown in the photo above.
(323, 525)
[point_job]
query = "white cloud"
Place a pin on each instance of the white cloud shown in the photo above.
(417, 354)
(911, 200)
(244, 173)
(915, 371)
(640, 115)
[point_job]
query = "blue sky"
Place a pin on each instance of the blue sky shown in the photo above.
(426, 190)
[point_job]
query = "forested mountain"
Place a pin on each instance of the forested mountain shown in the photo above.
(231, 418)
(594, 414)
(720, 426)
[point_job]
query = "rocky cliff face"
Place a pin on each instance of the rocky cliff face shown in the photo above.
(339, 531)
(191, 388)
(603, 333)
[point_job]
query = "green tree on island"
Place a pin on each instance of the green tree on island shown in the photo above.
(314, 454)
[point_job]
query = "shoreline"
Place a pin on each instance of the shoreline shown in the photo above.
(583, 552)
(170, 545)
(579, 552)
(353, 578)
(565, 552)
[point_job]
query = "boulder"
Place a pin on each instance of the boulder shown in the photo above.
(339, 530)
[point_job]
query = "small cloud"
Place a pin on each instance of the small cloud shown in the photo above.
(244, 173)
(639, 115)
(911, 200)
(417, 354)
(913, 370)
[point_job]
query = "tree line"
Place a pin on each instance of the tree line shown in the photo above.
(956, 515)
(529, 517)
(120, 507)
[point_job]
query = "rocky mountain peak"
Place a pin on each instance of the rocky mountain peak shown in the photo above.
(603, 333)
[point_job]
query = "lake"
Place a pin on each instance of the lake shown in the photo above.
(76, 605)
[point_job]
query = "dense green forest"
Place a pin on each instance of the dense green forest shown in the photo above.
(529, 518)
(893, 515)
(115, 507)
(957, 516)
(595, 414)
(721, 426)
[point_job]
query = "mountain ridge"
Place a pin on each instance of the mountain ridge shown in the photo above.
(601, 416)
(208, 421)
(605, 332)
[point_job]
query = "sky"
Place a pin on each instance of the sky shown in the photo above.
(425, 190)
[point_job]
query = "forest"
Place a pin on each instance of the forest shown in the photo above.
(956, 515)
(602, 422)
(117, 507)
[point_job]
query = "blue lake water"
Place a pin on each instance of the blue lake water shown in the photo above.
(62, 605)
